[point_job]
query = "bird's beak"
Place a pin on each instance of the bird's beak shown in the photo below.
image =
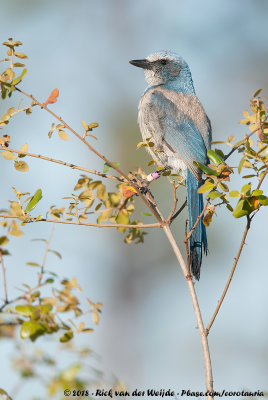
(145, 64)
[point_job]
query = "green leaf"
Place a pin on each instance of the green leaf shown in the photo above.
(242, 208)
(246, 189)
(21, 166)
(234, 193)
(240, 166)
(46, 308)
(257, 192)
(263, 200)
(151, 163)
(256, 93)
(224, 187)
(3, 240)
(214, 194)
(8, 155)
(33, 264)
(93, 125)
(34, 200)
(30, 329)
(108, 166)
(122, 218)
(208, 185)
(56, 253)
(19, 78)
(66, 337)
(214, 157)
(206, 170)
(27, 311)
(146, 214)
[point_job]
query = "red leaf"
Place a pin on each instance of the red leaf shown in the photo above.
(52, 97)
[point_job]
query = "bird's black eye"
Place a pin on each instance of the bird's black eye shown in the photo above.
(163, 62)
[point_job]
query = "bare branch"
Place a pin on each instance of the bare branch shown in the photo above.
(32, 220)
(4, 276)
(179, 211)
(175, 200)
(230, 276)
(200, 325)
(90, 171)
(46, 253)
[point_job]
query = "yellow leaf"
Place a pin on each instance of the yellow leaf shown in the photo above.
(24, 148)
(8, 155)
(63, 135)
(21, 166)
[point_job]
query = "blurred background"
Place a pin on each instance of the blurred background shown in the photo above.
(147, 336)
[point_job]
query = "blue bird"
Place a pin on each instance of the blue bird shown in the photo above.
(171, 115)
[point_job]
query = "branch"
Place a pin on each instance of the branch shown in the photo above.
(46, 253)
(4, 276)
(179, 211)
(63, 163)
(200, 325)
(245, 139)
(31, 220)
(92, 149)
(175, 201)
(249, 219)
(231, 275)
(196, 222)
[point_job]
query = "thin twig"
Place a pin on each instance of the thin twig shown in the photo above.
(196, 222)
(262, 177)
(200, 325)
(187, 249)
(230, 276)
(249, 219)
(245, 139)
(66, 164)
(32, 220)
(65, 125)
(4, 276)
(179, 211)
(175, 200)
(46, 253)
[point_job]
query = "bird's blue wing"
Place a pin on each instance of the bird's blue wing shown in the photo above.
(179, 132)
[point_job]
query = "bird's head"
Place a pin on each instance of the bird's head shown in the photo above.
(163, 67)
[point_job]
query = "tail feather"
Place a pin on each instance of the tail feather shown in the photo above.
(198, 239)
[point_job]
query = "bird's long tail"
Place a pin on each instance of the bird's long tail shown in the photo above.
(198, 239)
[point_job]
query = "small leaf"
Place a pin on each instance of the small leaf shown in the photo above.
(21, 166)
(122, 218)
(8, 155)
(141, 144)
(19, 78)
(234, 193)
(56, 253)
(27, 311)
(208, 185)
(256, 93)
(66, 337)
(205, 169)
(214, 157)
(246, 189)
(263, 200)
(257, 192)
(20, 55)
(214, 194)
(31, 329)
(224, 187)
(52, 98)
(85, 126)
(63, 135)
(34, 200)
(24, 149)
(93, 125)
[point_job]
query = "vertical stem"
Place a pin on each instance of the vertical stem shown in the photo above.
(198, 316)
(46, 253)
(4, 276)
